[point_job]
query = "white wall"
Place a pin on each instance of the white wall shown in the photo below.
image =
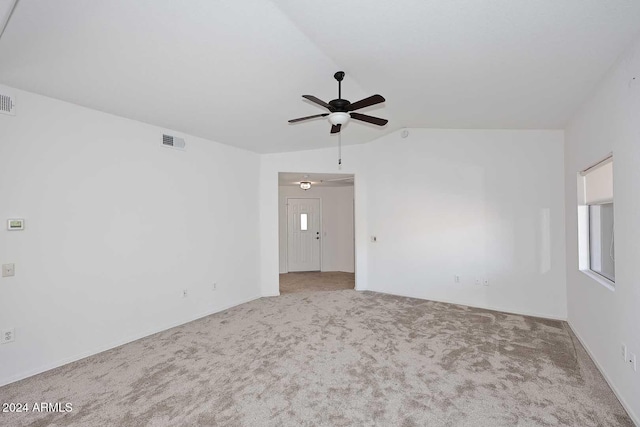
(471, 203)
(337, 225)
(602, 318)
(116, 227)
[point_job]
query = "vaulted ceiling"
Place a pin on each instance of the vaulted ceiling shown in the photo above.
(234, 71)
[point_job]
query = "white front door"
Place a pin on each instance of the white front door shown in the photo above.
(303, 234)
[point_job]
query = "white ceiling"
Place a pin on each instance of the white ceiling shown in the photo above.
(234, 71)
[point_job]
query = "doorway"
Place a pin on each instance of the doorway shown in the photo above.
(316, 232)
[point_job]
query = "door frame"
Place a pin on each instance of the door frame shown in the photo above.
(286, 248)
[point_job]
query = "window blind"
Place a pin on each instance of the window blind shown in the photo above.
(598, 183)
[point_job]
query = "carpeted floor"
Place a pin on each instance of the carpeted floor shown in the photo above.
(337, 358)
(316, 281)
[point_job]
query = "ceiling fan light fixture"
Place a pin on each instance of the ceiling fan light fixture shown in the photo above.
(339, 118)
(305, 185)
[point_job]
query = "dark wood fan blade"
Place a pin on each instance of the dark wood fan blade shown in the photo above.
(318, 101)
(308, 117)
(369, 119)
(335, 128)
(372, 100)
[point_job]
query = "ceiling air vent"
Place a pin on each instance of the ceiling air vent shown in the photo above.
(7, 105)
(173, 142)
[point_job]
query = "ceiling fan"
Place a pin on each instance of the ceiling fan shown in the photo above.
(346, 180)
(341, 110)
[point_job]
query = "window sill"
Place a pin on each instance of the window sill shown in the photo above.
(602, 280)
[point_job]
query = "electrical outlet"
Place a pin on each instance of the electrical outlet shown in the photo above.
(456, 279)
(632, 361)
(8, 335)
(8, 270)
(214, 287)
(623, 352)
(185, 293)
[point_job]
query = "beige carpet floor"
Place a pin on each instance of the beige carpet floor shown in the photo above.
(308, 281)
(338, 358)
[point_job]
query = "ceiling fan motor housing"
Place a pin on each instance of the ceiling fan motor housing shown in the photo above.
(339, 104)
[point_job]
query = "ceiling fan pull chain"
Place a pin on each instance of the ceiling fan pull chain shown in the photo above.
(339, 149)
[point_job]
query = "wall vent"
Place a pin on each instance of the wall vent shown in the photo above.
(173, 142)
(7, 105)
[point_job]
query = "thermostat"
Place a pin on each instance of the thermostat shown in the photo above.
(15, 224)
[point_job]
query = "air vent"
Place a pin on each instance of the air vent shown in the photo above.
(173, 142)
(7, 105)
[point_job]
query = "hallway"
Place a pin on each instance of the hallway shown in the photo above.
(309, 281)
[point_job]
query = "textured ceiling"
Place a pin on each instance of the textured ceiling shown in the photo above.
(234, 71)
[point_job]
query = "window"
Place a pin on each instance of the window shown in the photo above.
(303, 222)
(601, 256)
(596, 221)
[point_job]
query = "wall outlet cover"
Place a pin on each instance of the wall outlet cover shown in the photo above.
(8, 335)
(8, 270)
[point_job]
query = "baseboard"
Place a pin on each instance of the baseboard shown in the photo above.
(623, 402)
(117, 343)
(485, 307)
(337, 271)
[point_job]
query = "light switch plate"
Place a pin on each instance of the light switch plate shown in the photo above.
(15, 224)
